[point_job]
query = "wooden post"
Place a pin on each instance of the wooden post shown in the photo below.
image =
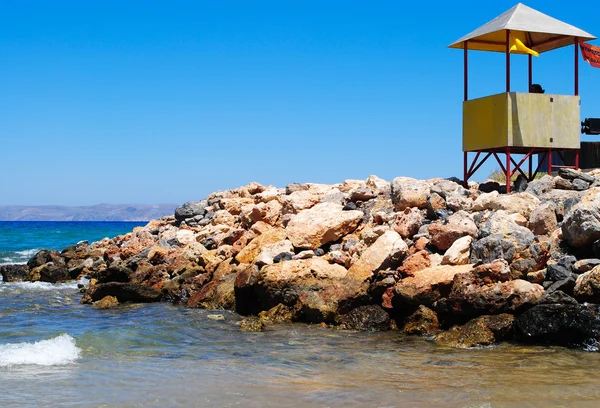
(507, 60)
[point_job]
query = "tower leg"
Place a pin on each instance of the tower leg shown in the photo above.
(550, 162)
(465, 183)
(508, 175)
(531, 166)
(577, 159)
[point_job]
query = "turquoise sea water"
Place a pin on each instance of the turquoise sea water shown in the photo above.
(19, 240)
(55, 352)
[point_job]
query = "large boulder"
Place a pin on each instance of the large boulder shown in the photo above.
(313, 288)
(191, 209)
(321, 224)
(14, 273)
(365, 318)
(487, 289)
(543, 219)
(427, 285)
(423, 321)
(387, 251)
(124, 292)
(45, 256)
(587, 286)
(459, 253)
(458, 225)
(408, 192)
(255, 247)
(581, 226)
(408, 222)
(481, 331)
(565, 324)
(522, 203)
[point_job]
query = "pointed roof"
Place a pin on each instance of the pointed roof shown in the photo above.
(536, 30)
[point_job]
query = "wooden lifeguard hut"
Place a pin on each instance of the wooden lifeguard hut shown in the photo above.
(515, 122)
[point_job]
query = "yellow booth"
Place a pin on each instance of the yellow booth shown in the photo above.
(516, 122)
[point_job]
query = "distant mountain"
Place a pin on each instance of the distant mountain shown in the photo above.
(99, 212)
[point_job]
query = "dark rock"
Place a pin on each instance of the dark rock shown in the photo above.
(564, 324)
(371, 317)
(191, 209)
(14, 273)
(441, 214)
(492, 247)
(564, 285)
(44, 256)
(124, 292)
(114, 273)
(489, 186)
(520, 184)
(50, 273)
(557, 272)
(319, 252)
(209, 243)
(580, 185)
(208, 216)
(335, 247)
(283, 256)
(540, 186)
(422, 321)
(567, 262)
(572, 174)
(557, 297)
(349, 207)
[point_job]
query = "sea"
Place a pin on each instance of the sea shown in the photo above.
(55, 352)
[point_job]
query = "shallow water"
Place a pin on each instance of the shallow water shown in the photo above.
(56, 352)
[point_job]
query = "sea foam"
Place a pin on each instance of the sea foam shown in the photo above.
(59, 350)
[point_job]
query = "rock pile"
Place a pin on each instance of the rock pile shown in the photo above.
(469, 266)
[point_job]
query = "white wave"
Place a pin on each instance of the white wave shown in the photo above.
(37, 286)
(59, 350)
(27, 252)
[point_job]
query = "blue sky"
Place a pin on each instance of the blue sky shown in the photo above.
(165, 102)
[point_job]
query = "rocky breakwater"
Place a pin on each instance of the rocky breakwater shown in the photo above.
(463, 266)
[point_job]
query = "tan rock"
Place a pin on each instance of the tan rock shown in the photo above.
(458, 225)
(386, 252)
(106, 302)
(185, 237)
(303, 199)
(543, 219)
(321, 224)
(523, 203)
(408, 222)
(223, 217)
(291, 271)
(429, 285)
(379, 186)
(268, 252)
(254, 247)
(459, 252)
(408, 192)
(587, 286)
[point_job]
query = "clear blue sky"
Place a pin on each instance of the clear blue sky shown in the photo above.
(165, 102)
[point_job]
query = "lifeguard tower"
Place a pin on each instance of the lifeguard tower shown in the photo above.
(515, 122)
